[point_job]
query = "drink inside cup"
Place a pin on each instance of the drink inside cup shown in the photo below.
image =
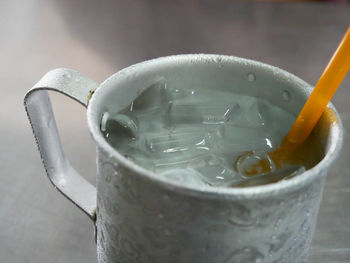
(205, 136)
(211, 137)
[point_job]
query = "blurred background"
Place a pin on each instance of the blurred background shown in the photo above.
(98, 38)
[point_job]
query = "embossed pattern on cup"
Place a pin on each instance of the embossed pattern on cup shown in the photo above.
(141, 222)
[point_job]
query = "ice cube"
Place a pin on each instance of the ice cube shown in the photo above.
(169, 143)
(175, 162)
(240, 139)
(150, 99)
(252, 113)
(218, 114)
(238, 117)
(104, 119)
(259, 114)
(174, 93)
(263, 114)
(118, 129)
(126, 122)
(205, 113)
(217, 173)
(182, 113)
(188, 177)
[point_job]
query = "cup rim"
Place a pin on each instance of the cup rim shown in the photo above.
(333, 147)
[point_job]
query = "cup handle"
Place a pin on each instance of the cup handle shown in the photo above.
(40, 115)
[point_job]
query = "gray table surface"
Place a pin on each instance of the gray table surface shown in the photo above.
(39, 225)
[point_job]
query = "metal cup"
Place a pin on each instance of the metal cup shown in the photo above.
(145, 218)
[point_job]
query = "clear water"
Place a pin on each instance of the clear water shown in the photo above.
(196, 136)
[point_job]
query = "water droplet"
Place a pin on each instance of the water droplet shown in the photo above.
(251, 77)
(286, 95)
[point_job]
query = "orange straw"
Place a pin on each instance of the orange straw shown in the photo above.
(316, 104)
(323, 92)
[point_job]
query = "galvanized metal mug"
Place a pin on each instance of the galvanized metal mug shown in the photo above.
(145, 218)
